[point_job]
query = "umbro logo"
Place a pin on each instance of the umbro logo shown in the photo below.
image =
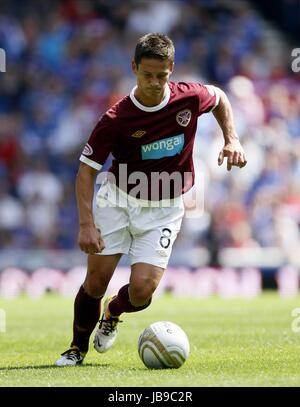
(138, 134)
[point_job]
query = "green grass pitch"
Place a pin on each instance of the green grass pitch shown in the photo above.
(233, 343)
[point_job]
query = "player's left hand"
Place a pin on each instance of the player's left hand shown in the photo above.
(235, 155)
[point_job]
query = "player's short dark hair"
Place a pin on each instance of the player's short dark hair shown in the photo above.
(154, 45)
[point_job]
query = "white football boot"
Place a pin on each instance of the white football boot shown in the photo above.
(106, 333)
(71, 357)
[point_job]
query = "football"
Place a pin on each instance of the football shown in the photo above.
(163, 345)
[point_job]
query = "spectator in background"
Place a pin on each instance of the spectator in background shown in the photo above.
(12, 215)
(39, 181)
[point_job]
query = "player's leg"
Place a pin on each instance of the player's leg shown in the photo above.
(112, 221)
(137, 295)
(88, 300)
(132, 297)
(144, 280)
(87, 306)
(150, 252)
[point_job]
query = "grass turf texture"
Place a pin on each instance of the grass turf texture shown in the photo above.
(233, 343)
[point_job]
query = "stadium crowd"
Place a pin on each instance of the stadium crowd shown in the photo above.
(68, 61)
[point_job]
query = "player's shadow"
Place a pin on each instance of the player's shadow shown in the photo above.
(102, 365)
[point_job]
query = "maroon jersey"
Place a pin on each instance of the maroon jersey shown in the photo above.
(148, 143)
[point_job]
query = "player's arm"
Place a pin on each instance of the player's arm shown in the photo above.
(89, 238)
(232, 148)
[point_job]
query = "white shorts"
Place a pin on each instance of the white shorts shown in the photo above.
(129, 226)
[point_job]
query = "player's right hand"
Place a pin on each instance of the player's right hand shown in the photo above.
(90, 240)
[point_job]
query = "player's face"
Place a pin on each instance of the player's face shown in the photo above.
(152, 76)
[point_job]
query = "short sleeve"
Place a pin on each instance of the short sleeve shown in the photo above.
(100, 143)
(209, 97)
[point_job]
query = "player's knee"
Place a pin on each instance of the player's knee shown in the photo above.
(95, 285)
(140, 294)
(92, 290)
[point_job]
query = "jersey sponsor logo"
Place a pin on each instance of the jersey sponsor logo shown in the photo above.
(87, 150)
(138, 133)
(184, 117)
(166, 147)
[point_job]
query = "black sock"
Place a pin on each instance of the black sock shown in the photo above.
(86, 316)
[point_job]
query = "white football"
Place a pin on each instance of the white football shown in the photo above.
(163, 345)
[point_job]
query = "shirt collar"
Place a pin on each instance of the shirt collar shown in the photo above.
(162, 104)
